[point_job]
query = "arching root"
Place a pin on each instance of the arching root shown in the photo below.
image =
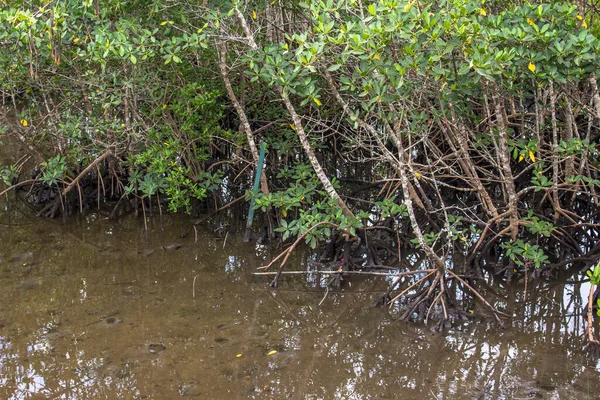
(432, 288)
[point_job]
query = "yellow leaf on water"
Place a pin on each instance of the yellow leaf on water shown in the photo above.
(272, 352)
(317, 101)
(238, 355)
(24, 122)
(531, 155)
(521, 157)
(531, 67)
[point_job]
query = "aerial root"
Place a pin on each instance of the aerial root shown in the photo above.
(436, 293)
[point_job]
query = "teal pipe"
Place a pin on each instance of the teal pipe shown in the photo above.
(259, 168)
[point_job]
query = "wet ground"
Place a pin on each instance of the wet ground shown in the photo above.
(89, 310)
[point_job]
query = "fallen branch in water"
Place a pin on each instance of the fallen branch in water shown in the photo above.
(374, 273)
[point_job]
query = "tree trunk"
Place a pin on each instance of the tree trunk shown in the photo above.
(241, 115)
(299, 129)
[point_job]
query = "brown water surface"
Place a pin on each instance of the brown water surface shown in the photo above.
(89, 310)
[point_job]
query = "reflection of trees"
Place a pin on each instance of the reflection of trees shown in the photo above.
(363, 353)
(341, 349)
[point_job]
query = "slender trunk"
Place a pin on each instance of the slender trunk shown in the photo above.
(503, 155)
(299, 128)
(555, 155)
(400, 165)
(241, 115)
(311, 155)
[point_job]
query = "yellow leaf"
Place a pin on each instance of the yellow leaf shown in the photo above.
(584, 24)
(482, 12)
(418, 175)
(531, 155)
(293, 127)
(28, 91)
(272, 352)
(238, 355)
(530, 21)
(122, 125)
(254, 14)
(284, 213)
(469, 40)
(579, 17)
(75, 40)
(340, 269)
(408, 7)
(521, 157)
(164, 106)
(24, 122)
(164, 23)
(531, 67)
(317, 101)
(376, 57)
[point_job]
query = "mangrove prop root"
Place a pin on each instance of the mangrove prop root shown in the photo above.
(590, 319)
(426, 293)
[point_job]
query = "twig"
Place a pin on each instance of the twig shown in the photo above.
(323, 299)
(225, 240)
(194, 288)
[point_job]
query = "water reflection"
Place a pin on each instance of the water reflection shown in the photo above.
(80, 318)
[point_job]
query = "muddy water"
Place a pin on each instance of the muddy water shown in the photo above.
(88, 310)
